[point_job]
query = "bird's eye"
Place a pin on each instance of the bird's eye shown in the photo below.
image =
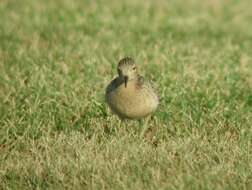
(134, 68)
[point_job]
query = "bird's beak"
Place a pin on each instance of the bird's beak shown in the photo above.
(126, 81)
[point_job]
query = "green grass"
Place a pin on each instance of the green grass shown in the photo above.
(56, 58)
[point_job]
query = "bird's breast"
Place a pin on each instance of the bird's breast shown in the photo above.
(132, 102)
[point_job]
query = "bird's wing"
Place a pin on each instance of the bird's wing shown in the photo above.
(143, 83)
(140, 81)
(113, 85)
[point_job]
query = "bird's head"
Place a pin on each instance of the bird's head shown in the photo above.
(127, 70)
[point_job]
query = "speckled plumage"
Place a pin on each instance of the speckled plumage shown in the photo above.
(129, 95)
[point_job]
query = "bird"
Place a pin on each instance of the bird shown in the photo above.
(129, 95)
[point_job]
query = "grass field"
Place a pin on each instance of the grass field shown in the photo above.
(56, 58)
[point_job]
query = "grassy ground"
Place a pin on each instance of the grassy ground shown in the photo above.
(56, 58)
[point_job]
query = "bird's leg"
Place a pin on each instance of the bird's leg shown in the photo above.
(122, 122)
(145, 126)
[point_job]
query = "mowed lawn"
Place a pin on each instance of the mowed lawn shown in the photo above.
(56, 58)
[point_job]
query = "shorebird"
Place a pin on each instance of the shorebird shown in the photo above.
(129, 95)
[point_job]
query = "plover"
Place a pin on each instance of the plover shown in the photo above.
(129, 95)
